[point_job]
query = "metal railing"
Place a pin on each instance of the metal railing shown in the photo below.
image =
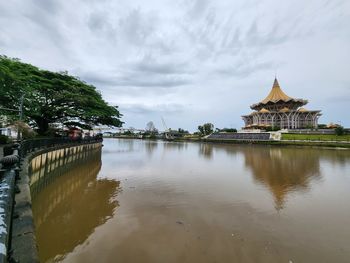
(9, 172)
(28, 146)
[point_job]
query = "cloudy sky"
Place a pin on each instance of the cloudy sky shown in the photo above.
(189, 61)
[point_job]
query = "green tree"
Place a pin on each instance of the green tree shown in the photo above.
(339, 130)
(272, 128)
(227, 130)
(150, 128)
(52, 97)
(182, 131)
(322, 126)
(206, 128)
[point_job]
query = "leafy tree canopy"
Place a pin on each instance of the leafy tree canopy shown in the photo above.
(339, 130)
(150, 128)
(206, 128)
(182, 131)
(227, 130)
(52, 98)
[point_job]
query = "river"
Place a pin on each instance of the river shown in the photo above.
(155, 201)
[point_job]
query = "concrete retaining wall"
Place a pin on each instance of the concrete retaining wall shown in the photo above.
(23, 235)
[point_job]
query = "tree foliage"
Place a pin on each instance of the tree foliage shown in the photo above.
(339, 130)
(227, 130)
(151, 128)
(206, 128)
(272, 128)
(182, 131)
(52, 97)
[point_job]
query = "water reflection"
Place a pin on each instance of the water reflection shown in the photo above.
(283, 170)
(192, 202)
(57, 207)
(206, 150)
(180, 146)
(151, 146)
(124, 146)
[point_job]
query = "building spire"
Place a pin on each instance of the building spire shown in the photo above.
(276, 94)
(275, 83)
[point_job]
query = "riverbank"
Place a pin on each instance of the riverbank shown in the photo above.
(22, 239)
(328, 144)
(316, 137)
(303, 143)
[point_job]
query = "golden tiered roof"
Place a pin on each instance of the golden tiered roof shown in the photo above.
(302, 110)
(285, 109)
(276, 94)
(263, 110)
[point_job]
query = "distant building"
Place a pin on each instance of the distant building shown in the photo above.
(278, 110)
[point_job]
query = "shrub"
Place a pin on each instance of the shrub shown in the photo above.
(152, 136)
(339, 130)
(272, 128)
(4, 139)
(228, 130)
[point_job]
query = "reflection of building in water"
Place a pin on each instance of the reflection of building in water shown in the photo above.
(71, 205)
(283, 170)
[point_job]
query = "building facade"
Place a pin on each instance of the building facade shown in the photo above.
(278, 110)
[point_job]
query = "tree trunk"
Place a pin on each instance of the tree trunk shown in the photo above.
(43, 126)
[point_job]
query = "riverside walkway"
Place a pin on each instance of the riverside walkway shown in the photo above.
(17, 236)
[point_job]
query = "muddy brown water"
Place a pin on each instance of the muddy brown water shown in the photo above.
(149, 201)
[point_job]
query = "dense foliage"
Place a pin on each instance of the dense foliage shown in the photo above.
(182, 131)
(226, 130)
(206, 128)
(339, 130)
(52, 98)
(4, 139)
(272, 128)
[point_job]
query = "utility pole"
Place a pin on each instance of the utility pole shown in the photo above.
(20, 111)
(21, 108)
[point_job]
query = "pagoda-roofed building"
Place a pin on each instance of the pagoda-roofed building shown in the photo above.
(278, 110)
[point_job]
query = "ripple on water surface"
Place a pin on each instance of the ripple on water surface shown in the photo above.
(149, 201)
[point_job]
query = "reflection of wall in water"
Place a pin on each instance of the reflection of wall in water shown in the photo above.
(283, 170)
(69, 204)
(47, 166)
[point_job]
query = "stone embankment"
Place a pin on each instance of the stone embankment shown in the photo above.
(17, 231)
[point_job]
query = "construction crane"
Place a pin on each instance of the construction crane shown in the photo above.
(167, 132)
(164, 125)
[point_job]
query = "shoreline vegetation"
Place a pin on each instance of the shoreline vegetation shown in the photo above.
(342, 142)
(38, 102)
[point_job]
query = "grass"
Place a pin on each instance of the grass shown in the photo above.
(332, 144)
(315, 137)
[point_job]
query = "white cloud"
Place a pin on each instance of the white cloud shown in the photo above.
(190, 61)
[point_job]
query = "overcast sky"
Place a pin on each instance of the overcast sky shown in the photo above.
(189, 62)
